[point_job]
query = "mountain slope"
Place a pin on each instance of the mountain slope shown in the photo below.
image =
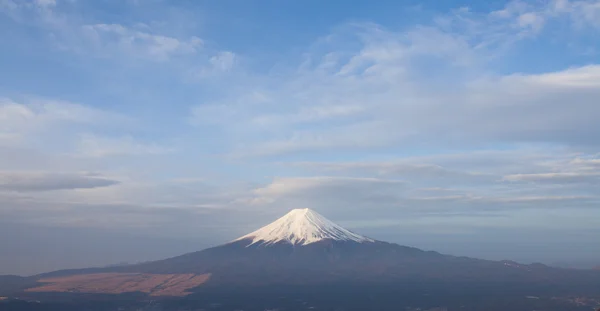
(303, 248)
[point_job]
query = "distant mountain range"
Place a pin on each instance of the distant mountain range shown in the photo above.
(303, 248)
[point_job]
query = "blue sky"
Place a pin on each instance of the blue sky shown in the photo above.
(136, 130)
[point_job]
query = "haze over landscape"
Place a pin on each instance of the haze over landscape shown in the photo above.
(140, 130)
(304, 261)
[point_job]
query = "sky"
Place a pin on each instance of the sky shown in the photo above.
(138, 130)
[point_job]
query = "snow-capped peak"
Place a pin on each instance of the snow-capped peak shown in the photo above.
(302, 227)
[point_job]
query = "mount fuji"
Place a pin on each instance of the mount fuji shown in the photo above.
(305, 248)
(302, 246)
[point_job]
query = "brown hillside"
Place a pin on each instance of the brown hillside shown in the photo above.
(117, 283)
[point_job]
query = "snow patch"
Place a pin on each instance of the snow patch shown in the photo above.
(302, 227)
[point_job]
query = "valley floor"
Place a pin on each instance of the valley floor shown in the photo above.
(333, 298)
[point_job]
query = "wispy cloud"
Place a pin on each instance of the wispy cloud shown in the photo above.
(115, 38)
(559, 178)
(97, 146)
(378, 94)
(69, 31)
(34, 117)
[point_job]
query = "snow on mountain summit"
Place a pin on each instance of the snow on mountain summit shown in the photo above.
(302, 227)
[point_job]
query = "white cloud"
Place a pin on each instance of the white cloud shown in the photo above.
(586, 77)
(223, 61)
(220, 64)
(531, 20)
(579, 170)
(581, 13)
(532, 17)
(52, 110)
(586, 164)
(283, 186)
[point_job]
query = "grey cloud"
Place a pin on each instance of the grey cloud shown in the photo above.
(557, 178)
(421, 206)
(581, 200)
(327, 184)
(181, 207)
(373, 201)
(327, 193)
(47, 181)
(158, 194)
(472, 182)
(406, 170)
